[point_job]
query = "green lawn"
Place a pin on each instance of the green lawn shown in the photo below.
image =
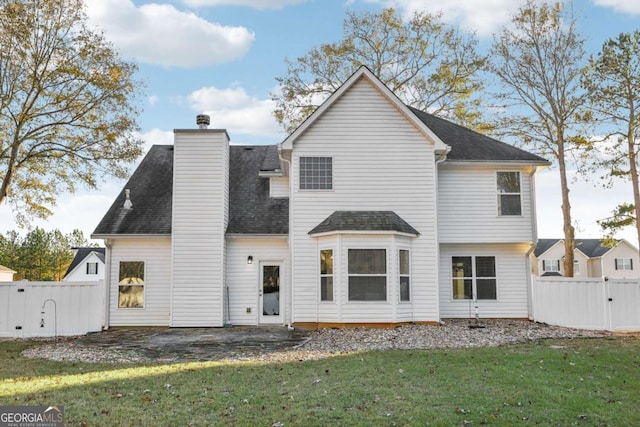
(574, 382)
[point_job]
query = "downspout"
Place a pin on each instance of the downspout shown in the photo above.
(107, 286)
(442, 157)
(534, 237)
(289, 241)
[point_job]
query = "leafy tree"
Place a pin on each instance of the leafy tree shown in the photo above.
(428, 64)
(40, 255)
(538, 63)
(612, 81)
(67, 105)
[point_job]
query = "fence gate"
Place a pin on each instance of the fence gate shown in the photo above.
(624, 304)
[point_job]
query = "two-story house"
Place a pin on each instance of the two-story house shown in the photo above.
(591, 259)
(371, 212)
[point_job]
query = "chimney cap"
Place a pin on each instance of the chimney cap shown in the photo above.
(203, 120)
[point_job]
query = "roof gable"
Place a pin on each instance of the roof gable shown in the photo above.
(364, 73)
(591, 248)
(82, 254)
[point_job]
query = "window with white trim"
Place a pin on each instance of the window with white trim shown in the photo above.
(576, 267)
(474, 277)
(509, 196)
(316, 173)
(624, 264)
(404, 271)
(131, 284)
(367, 274)
(92, 268)
(326, 275)
(551, 265)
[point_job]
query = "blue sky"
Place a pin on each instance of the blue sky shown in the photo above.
(222, 57)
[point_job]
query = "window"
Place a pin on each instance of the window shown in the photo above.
(509, 193)
(326, 275)
(576, 267)
(92, 268)
(367, 275)
(316, 173)
(404, 269)
(466, 285)
(131, 284)
(551, 265)
(624, 264)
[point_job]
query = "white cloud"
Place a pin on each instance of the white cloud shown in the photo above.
(153, 99)
(162, 35)
(484, 18)
(235, 110)
(256, 4)
(621, 6)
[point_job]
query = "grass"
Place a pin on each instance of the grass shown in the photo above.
(573, 382)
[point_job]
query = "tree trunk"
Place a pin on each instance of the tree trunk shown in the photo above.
(569, 231)
(633, 169)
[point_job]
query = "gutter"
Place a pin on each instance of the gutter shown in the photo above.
(442, 157)
(534, 237)
(291, 201)
(107, 286)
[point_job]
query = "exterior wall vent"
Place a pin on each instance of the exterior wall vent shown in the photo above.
(127, 202)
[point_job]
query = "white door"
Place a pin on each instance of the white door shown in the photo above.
(271, 302)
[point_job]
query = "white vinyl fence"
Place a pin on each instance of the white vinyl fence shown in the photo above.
(47, 309)
(612, 305)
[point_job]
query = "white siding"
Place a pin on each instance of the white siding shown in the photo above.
(200, 215)
(79, 274)
(279, 186)
(380, 162)
(622, 251)
(243, 280)
(156, 254)
(512, 284)
(468, 206)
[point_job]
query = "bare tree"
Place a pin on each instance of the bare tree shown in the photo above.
(428, 64)
(538, 64)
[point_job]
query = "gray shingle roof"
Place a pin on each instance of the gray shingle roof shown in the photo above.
(251, 209)
(468, 145)
(151, 187)
(364, 221)
(81, 254)
(590, 247)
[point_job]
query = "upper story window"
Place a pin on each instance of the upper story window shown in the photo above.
(551, 265)
(92, 268)
(624, 264)
(509, 196)
(316, 173)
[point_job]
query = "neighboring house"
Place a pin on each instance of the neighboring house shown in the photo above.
(6, 274)
(591, 259)
(87, 265)
(371, 212)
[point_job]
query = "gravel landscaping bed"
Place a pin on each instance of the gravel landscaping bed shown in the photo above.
(454, 333)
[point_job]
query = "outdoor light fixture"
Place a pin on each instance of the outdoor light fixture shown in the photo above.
(249, 259)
